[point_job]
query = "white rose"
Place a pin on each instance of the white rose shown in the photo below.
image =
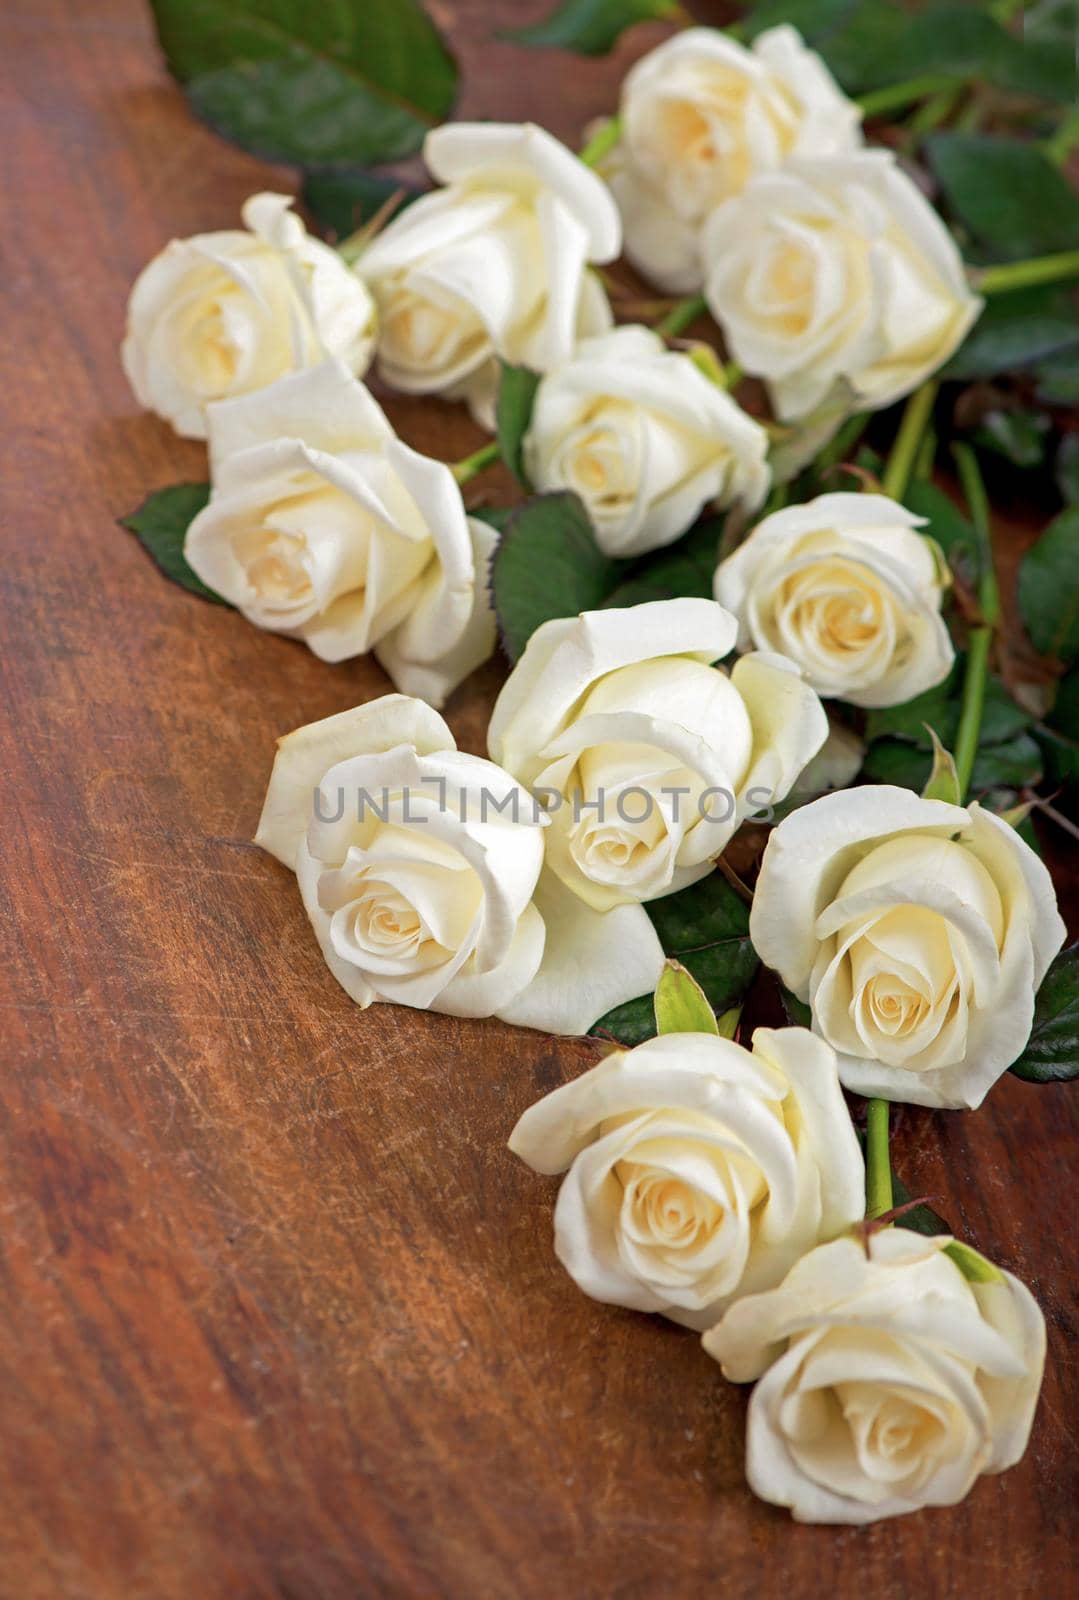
(847, 588)
(888, 1382)
(419, 867)
(644, 438)
(696, 1171)
(649, 756)
(492, 265)
(917, 931)
(836, 270)
(324, 526)
(701, 115)
(226, 313)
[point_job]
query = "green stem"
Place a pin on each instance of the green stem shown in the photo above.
(840, 447)
(880, 102)
(602, 142)
(916, 417)
(981, 637)
(927, 454)
(937, 109)
(878, 1166)
(478, 461)
(1022, 274)
(681, 314)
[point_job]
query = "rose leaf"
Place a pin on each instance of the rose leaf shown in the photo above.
(1052, 1051)
(706, 929)
(358, 81)
(342, 200)
(547, 564)
(160, 525)
(590, 27)
(1048, 593)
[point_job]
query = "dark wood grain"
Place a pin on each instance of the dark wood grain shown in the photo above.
(279, 1315)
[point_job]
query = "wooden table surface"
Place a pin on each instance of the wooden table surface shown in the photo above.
(280, 1315)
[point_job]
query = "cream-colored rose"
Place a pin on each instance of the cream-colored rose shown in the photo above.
(696, 1171)
(420, 869)
(847, 588)
(836, 270)
(494, 264)
(917, 931)
(224, 314)
(701, 115)
(644, 438)
(649, 756)
(324, 526)
(887, 1381)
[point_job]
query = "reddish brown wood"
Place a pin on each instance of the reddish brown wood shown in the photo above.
(280, 1316)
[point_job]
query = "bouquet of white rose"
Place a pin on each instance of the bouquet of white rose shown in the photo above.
(857, 248)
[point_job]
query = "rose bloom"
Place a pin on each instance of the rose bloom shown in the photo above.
(324, 526)
(648, 755)
(887, 1380)
(494, 264)
(696, 1170)
(644, 438)
(836, 272)
(227, 313)
(701, 115)
(847, 588)
(420, 870)
(917, 931)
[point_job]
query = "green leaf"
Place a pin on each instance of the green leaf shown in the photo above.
(680, 570)
(946, 524)
(943, 780)
(1007, 193)
(1052, 1051)
(1066, 469)
(1048, 590)
(922, 1219)
(516, 394)
(341, 201)
(160, 525)
(547, 564)
(872, 44)
(680, 1003)
(1016, 331)
(1020, 436)
(1058, 378)
(1060, 734)
(495, 516)
(591, 27)
(1002, 717)
(318, 84)
(797, 1012)
(1013, 764)
(706, 928)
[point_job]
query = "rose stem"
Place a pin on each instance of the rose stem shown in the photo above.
(880, 102)
(1022, 274)
(485, 456)
(981, 637)
(907, 441)
(878, 1167)
(681, 314)
(603, 140)
(843, 443)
